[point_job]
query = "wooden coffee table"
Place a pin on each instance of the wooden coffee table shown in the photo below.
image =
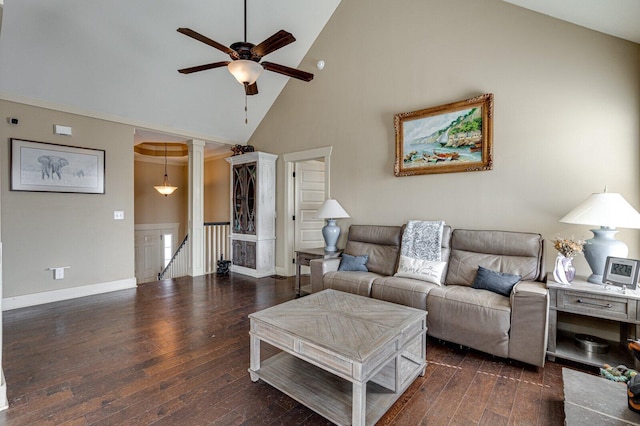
(346, 357)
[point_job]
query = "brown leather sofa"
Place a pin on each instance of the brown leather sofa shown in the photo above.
(510, 327)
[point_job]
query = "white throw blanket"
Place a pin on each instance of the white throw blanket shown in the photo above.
(422, 239)
(421, 253)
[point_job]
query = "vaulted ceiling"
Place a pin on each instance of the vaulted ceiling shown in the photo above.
(118, 59)
(619, 18)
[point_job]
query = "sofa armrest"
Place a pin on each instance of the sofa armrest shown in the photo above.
(529, 322)
(319, 267)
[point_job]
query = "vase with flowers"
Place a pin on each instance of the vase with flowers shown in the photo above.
(568, 248)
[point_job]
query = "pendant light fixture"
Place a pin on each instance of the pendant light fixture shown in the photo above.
(166, 188)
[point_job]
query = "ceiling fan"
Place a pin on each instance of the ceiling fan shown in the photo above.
(245, 62)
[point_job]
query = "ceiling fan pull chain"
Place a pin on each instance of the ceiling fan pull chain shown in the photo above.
(246, 119)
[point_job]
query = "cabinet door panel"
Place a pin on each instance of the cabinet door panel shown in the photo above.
(239, 177)
(250, 197)
(238, 252)
(250, 255)
(244, 198)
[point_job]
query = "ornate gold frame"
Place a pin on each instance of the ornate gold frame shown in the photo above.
(433, 148)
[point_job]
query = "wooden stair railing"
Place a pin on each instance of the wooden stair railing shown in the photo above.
(216, 243)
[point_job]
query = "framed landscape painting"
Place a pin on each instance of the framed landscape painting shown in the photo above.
(47, 167)
(456, 137)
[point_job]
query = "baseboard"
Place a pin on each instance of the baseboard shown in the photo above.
(16, 302)
(253, 272)
(283, 271)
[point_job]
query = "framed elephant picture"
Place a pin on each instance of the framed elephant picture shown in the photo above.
(48, 167)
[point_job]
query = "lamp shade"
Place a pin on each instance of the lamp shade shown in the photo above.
(245, 71)
(609, 211)
(606, 209)
(331, 209)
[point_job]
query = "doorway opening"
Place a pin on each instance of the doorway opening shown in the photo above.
(306, 188)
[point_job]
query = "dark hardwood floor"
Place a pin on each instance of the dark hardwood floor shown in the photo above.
(176, 352)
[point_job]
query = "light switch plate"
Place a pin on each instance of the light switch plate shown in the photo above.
(118, 215)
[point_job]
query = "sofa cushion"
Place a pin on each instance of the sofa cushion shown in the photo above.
(476, 318)
(381, 243)
(353, 263)
(404, 291)
(350, 281)
(497, 282)
(419, 269)
(517, 253)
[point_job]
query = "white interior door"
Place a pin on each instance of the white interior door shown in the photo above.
(148, 258)
(152, 252)
(309, 196)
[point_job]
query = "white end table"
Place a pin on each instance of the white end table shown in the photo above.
(595, 301)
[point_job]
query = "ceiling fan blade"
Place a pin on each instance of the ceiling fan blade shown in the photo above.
(273, 43)
(289, 72)
(251, 89)
(203, 67)
(206, 40)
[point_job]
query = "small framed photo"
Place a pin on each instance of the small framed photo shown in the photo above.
(621, 272)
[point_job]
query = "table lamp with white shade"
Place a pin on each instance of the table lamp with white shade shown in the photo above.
(608, 210)
(331, 210)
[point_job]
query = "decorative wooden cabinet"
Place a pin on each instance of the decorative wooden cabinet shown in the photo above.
(253, 213)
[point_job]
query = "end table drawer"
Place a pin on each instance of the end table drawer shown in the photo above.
(601, 306)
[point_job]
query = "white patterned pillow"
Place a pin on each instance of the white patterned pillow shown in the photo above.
(419, 269)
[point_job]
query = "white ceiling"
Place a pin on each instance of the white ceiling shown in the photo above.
(620, 18)
(118, 59)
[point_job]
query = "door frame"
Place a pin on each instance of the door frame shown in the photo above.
(289, 192)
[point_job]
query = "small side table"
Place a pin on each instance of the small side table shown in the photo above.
(582, 298)
(303, 257)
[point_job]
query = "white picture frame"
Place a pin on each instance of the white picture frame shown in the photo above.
(621, 271)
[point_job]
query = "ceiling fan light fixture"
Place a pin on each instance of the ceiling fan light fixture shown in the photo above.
(245, 71)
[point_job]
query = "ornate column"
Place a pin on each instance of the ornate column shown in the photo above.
(195, 218)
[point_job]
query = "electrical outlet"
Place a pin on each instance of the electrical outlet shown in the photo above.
(118, 215)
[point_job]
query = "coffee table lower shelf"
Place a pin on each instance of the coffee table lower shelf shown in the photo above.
(324, 392)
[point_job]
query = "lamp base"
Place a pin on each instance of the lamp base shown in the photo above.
(598, 248)
(595, 279)
(330, 232)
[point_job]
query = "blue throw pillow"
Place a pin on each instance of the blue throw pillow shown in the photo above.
(497, 282)
(354, 263)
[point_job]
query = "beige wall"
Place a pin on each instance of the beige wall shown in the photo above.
(216, 190)
(567, 114)
(43, 230)
(151, 206)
